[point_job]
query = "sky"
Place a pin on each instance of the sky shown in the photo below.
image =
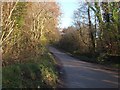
(67, 10)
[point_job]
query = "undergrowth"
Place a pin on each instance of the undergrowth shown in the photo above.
(40, 73)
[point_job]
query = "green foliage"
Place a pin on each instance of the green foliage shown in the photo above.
(19, 14)
(26, 62)
(31, 74)
(30, 30)
(101, 59)
(98, 35)
(11, 76)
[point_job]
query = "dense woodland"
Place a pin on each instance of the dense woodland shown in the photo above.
(95, 33)
(29, 28)
(26, 28)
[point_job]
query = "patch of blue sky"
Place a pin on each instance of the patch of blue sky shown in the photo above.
(67, 9)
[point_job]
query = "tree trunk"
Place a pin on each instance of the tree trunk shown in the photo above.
(91, 32)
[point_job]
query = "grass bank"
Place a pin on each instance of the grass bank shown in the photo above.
(39, 73)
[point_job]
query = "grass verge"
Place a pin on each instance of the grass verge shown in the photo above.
(40, 73)
(107, 62)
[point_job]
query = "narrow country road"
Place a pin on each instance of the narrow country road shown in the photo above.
(80, 74)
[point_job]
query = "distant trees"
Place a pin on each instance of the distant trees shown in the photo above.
(69, 40)
(84, 30)
(74, 40)
(96, 27)
(26, 29)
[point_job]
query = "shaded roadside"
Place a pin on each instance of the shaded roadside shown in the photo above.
(83, 58)
(61, 72)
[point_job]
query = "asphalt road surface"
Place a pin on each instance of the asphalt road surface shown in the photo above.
(80, 74)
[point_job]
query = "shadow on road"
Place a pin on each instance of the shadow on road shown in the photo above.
(79, 74)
